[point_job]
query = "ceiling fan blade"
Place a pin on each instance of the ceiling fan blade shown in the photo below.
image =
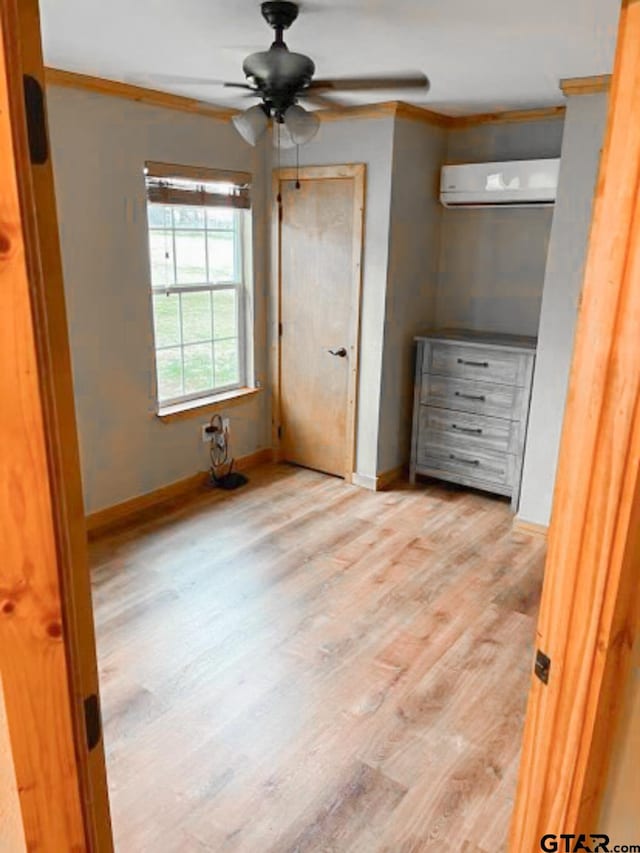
(353, 84)
(179, 80)
(320, 100)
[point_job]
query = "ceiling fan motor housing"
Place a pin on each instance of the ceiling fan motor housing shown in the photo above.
(279, 14)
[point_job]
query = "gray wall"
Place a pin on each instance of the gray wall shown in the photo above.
(492, 262)
(368, 141)
(99, 146)
(583, 137)
(414, 240)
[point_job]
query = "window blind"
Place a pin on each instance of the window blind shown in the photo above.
(193, 185)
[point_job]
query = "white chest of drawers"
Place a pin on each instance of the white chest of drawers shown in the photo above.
(471, 407)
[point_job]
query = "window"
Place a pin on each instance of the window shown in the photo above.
(198, 244)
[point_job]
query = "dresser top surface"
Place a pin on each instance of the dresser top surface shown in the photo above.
(469, 336)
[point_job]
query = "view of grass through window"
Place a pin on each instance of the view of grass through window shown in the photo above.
(196, 277)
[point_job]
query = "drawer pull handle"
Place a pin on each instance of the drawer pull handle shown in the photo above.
(473, 363)
(480, 397)
(471, 430)
(466, 461)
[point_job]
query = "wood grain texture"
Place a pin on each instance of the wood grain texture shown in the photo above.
(309, 666)
(318, 258)
(153, 97)
(588, 615)
(33, 638)
(506, 117)
(586, 85)
(522, 526)
(44, 264)
(11, 830)
(98, 523)
(397, 109)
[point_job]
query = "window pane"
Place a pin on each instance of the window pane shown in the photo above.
(159, 215)
(222, 256)
(169, 366)
(225, 312)
(161, 251)
(226, 361)
(220, 217)
(198, 368)
(196, 317)
(190, 257)
(166, 316)
(188, 217)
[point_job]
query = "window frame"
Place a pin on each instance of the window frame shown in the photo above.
(239, 285)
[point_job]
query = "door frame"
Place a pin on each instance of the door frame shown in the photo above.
(590, 600)
(57, 745)
(357, 172)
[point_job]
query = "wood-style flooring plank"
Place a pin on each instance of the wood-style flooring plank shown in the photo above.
(304, 666)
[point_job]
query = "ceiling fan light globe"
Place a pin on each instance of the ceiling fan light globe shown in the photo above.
(301, 124)
(251, 124)
(282, 136)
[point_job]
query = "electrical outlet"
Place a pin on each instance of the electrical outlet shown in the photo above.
(207, 437)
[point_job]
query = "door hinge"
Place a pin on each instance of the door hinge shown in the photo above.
(543, 665)
(280, 330)
(36, 123)
(279, 432)
(92, 721)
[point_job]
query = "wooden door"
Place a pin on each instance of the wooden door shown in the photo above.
(47, 651)
(590, 601)
(320, 238)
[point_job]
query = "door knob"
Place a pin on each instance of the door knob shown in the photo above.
(341, 353)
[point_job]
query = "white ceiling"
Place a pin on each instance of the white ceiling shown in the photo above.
(479, 54)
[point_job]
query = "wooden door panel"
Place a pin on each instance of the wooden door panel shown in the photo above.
(47, 649)
(317, 267)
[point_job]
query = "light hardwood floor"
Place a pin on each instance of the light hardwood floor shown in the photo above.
(304, 665)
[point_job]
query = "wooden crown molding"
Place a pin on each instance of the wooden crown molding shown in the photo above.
(153, 97)
(400, 109)
(394, 109)
(585, 85)
(506, 116)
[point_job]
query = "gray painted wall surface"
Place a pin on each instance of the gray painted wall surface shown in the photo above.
(99, 147)
(368, 141)
(583, 137)
(492, 262)
(414, 240)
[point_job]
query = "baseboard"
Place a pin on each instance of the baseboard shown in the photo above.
(522, 526)
(104, 519)
(380, 481)
(364, 481)
(384, 480)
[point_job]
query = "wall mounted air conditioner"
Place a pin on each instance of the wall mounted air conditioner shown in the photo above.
(516, 183)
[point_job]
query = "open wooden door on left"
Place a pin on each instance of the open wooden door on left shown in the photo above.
(47, 649)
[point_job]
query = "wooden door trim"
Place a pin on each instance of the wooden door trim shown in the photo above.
(356, 171)
(84, 768)
(589, 610)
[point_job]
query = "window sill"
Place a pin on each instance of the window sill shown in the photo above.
(206, 405)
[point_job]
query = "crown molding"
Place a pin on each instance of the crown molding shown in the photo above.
(585, 85)
(506, 116)
(393, 109)
(69, 79)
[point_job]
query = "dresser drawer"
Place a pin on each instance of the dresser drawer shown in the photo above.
(465, 395)
(448, 428)
(486, 469)
(477, 363)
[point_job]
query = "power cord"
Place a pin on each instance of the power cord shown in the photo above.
(219, 454)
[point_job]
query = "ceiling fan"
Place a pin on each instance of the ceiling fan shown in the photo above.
(281, 78)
